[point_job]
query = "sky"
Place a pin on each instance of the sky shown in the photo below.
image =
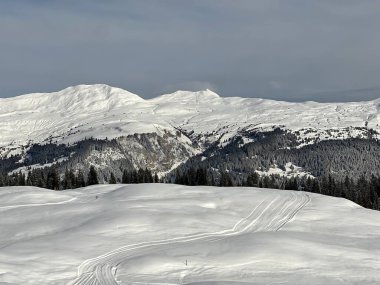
(292, 50)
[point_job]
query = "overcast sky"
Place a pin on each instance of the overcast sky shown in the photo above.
(289, 50)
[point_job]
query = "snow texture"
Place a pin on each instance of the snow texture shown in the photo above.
(102, 111)
(289, 170)
(171, 234)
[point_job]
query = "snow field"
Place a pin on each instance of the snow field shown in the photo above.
(171, 234)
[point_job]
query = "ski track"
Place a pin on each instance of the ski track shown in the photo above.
(80, 199)
(267, 216)
(38, 205)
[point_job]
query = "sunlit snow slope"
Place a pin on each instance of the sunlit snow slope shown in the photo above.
(101, 111)
(170, 234)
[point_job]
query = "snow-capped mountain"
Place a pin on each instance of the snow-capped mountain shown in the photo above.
(102, 111)
(194, 120)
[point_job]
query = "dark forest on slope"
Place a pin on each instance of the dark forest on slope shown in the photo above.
(347, 168)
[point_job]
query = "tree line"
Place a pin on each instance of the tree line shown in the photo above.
(362, 190)
(50, 178)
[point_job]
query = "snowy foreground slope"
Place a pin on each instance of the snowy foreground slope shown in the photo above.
(170, 234)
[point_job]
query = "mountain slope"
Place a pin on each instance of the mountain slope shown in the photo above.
(157, 233)
(101, 111)
(194, 122)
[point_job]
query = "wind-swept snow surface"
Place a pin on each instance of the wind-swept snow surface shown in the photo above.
(170, 234)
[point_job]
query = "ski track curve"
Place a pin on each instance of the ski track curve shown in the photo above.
(267, 216)
(38, 205)
(82, 198)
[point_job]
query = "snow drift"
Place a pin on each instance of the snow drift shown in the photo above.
(171, 234)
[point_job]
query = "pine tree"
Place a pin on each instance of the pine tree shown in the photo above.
(112, 179)
(92, 177)
(201, 177)
(253, 179)
(52, 179)
(79, 181)
(315, 187)
(148, 178)
(40, 178)
(134, 177)
(225, 180)
(21, 179)
(125, 177)
(69, 180)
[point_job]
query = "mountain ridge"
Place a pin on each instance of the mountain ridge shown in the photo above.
(38, 116)
(104, 86)
(168, 130)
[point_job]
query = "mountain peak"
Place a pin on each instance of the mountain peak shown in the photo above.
(102, 90)
(188, 96)
(209, 93)
(91, 98)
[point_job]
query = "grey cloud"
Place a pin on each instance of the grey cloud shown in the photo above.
(284, 49)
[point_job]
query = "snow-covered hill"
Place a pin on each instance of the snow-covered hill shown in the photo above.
(101, 111)
(171, 234)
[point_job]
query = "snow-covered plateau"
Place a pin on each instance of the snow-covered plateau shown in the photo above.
(171, 234)
(101, 111)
